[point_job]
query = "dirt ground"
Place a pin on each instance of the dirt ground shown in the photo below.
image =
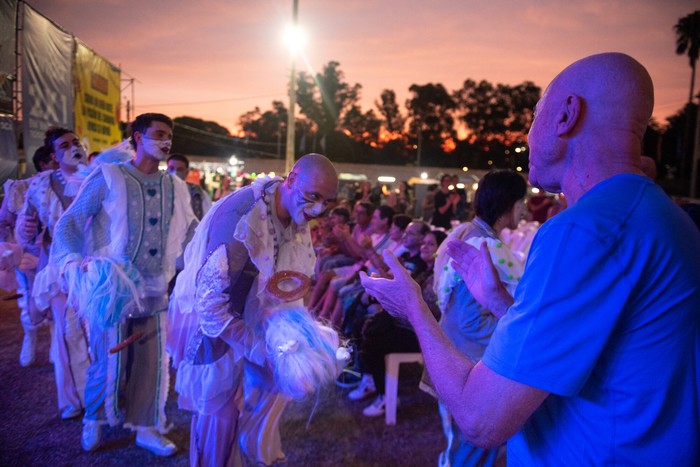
(328, 430)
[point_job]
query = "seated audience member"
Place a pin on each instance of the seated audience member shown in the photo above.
(348, 254)
(382, 334)
(558, 205)
(330, 244)
(498, 204)
(538, 205)
(346, 289)
(402, 246)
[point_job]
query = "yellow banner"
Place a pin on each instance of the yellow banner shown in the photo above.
(97, 98)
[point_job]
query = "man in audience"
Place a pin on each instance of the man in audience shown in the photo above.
(446, 200)
(604, 330)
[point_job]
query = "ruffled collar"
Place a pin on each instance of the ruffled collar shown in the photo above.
(272, 249)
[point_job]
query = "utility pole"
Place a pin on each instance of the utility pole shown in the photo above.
(289, 156)
(130, 104)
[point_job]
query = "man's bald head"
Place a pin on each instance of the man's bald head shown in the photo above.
(616, 89)
(315, 165)
(310, 188)
(590, 123)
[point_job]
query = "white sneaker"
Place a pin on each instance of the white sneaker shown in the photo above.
(70, 412)
(151, 439)
(366, 388)
(27, 354)
(376, 408)
(92, 435)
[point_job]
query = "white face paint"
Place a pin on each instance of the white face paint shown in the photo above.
(157, 148)
(74, 155)
(68, 151)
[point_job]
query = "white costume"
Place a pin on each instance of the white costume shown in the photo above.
(138, 224)
(17, 268)
(242, 354)
(49, 194)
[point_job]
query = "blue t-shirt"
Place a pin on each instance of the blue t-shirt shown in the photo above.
(606, 319)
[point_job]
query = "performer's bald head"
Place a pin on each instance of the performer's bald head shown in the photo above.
(310, 187)
(315, 165)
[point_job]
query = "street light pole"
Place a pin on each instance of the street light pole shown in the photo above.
(289, 156)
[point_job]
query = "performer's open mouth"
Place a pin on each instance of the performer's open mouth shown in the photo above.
(308, 217)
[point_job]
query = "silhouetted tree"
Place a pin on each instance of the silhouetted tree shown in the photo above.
(430, 110)
(325, 98)
(501, 111)
(200, 137)
(389, 109)
(362, 127)
(688, 40)
(268, 126)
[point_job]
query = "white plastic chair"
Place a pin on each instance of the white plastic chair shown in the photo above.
(392, 362)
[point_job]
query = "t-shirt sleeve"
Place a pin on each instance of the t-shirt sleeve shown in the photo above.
(566, 307)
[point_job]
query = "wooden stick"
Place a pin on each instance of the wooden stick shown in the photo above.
(126, 342)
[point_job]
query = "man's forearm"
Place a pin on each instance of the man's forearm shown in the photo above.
(448, 367)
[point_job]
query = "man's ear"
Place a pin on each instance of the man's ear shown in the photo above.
(291, 178)
(137, 137)
(569, 115)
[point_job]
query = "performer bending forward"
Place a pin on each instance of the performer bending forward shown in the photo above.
(251, 348)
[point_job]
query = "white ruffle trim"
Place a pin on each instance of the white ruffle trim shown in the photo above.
(46, 286)
(208, 387)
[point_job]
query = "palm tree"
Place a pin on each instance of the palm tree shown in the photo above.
(688, 39)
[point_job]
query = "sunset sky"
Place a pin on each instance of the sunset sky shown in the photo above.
(216, 59)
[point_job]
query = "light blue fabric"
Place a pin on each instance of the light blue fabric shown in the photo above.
(606, 318)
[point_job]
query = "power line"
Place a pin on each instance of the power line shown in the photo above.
(229, 138)
(216, 101)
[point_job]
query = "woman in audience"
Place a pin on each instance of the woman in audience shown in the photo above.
(383, 334)
(498, 204)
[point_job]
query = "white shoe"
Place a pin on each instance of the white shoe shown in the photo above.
(28, 352)
(70, 412)
(376, 408)
(92, 435)
(365, 389)
(149, 438)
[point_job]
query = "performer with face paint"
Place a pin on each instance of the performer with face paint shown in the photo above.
(242, 350)
(49, 194)
(179, 165)
(117, 272)
(24, 271)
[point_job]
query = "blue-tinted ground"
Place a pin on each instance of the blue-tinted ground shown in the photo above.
(32, 434)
